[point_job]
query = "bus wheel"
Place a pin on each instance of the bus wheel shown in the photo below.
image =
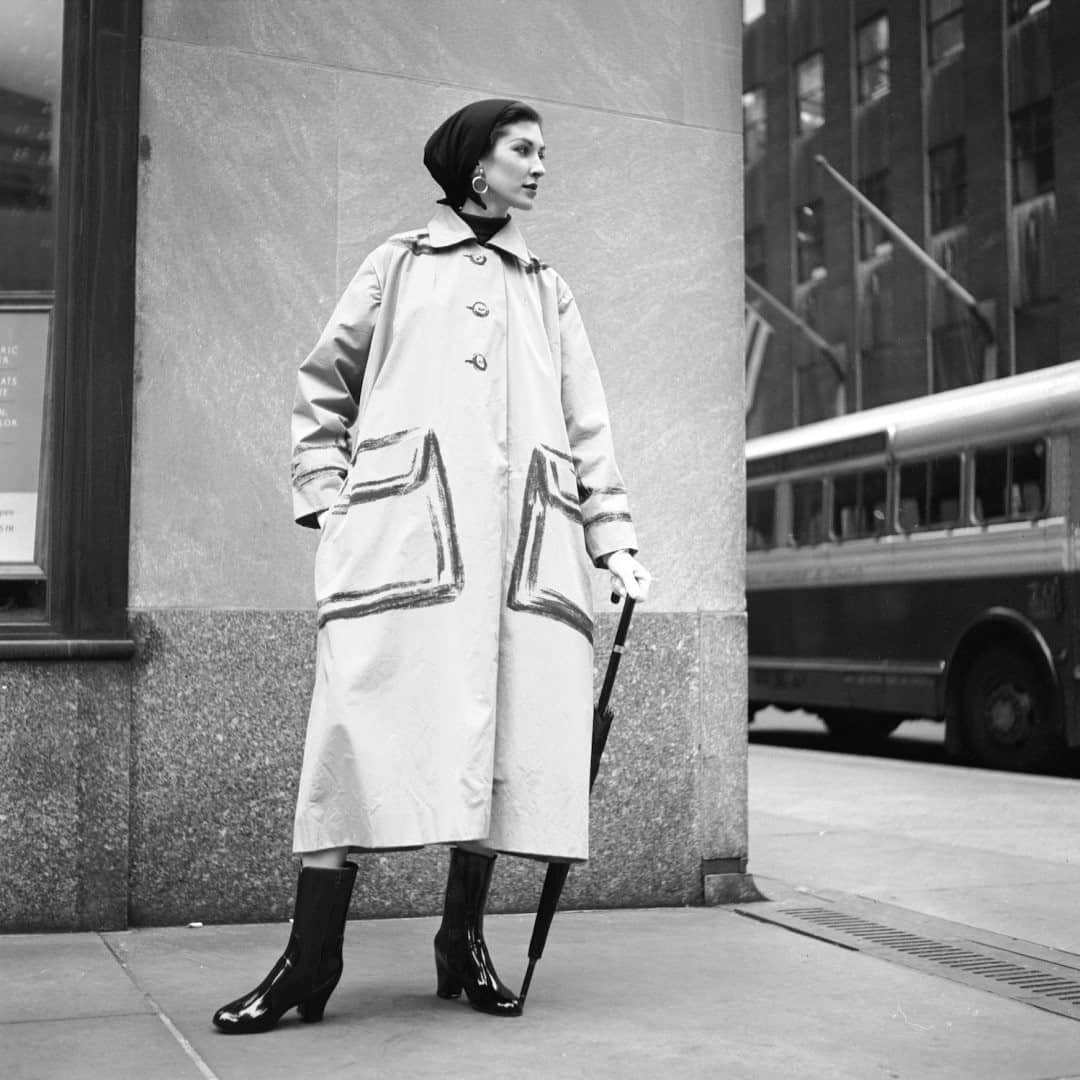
(1007, 712)
(859, 728)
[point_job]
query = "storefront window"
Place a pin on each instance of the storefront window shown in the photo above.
(31, 40)
(69, 107)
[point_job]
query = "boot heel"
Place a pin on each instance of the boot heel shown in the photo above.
(311, 1010)
(447, 986)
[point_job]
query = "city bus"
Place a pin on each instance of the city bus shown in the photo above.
(919, 560)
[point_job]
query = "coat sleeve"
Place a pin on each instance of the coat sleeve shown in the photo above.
(605, 508)
(327, 391)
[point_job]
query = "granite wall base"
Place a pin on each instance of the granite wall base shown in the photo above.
(160, 791)
(65, 741)
(219, 709)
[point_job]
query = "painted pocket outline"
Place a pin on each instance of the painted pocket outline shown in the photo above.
(392, 540)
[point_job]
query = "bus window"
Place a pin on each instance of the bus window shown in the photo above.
(1028, 481)
(859, 504)
(760, 515)
(1010, 482)
(991, 483)
(930, 494)
(809, 518)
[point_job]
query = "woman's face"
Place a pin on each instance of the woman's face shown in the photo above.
(513, 168)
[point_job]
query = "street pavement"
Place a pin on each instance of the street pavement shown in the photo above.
(659, 993)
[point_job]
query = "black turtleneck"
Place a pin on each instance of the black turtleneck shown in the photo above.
(484, 227)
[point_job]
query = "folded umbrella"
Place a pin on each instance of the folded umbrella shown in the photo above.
(556, 875)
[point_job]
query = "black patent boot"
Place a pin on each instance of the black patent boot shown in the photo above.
(308, 970)
(462, 961)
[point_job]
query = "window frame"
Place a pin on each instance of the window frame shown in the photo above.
(937, 191)
(858, 474)
(819, 269)
(759, 128)
(934, 24)
(1018, 10)
(800, 65)
(874, 60)
(761, 492)
(823, 513)
(1028, 117)
(926, 464)
(1010, 456)
(753, 10)
(86, 461)
(754, 257)
(875, 186)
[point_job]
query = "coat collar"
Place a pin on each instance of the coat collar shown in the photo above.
(446, 229)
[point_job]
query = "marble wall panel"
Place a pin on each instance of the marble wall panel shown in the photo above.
(632, 56)
(235, 273)
(219, 708)
(64, 795)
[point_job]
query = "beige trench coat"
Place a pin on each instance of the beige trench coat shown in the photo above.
(452, 421)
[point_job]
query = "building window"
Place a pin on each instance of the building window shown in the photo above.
(1033, 150)
(810, 240)
(944, 28)
(752, 10)
(810, 94)
(754, 254)
(754, 126)
(1022, 9)
(872, 47)
(956, 352)
(1037, 336)
(948, 185)
(873, 239)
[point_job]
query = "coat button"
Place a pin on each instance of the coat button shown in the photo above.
(480, 309)
(478, 259)
(478, 361)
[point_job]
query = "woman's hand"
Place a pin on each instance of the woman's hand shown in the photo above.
(628, 576)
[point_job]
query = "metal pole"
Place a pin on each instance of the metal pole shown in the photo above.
(815, 338)
(911, 247)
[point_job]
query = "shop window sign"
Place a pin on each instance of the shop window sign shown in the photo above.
(24, 349)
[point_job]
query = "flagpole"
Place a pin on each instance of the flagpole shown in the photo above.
(833, 354)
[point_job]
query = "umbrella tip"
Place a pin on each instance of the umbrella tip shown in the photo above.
(526, 982)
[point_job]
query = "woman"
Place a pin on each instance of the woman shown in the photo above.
(452, 443)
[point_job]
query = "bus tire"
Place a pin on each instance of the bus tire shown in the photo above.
(1007, 711)
(858, 728)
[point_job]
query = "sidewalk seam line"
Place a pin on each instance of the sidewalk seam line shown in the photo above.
(173, 1030)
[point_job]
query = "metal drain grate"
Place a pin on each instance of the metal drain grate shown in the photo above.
(1035, 981)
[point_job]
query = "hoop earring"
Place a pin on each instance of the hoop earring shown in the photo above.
(480, 188)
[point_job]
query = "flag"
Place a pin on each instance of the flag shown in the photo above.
(756, 336)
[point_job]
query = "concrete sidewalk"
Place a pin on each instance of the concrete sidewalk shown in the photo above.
(671, 993)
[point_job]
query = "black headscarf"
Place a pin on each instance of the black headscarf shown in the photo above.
(458, 143)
